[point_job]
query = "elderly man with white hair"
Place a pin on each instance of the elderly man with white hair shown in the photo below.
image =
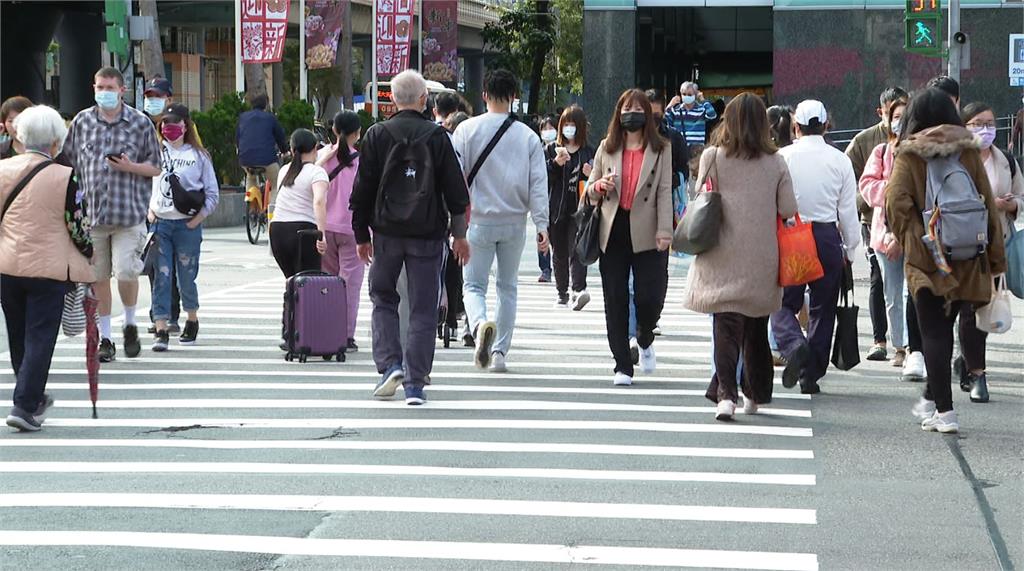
(688, 113)
(38, 256)
(411, 193)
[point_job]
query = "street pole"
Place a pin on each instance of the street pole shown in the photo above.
(239, 70)
(953, 65)
(419, 40)
(303, 72)
(373, 56)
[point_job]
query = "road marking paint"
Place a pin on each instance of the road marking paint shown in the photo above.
(419, 445)
(469, 506)
(299, 386)
(306, 404)
(400, 470)
(421, 423)
(390, 548)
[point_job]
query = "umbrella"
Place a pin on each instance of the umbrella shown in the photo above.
(92, 342)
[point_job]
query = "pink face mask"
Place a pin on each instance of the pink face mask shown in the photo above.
(172, 131)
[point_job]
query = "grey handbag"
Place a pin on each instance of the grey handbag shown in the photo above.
(698, 230)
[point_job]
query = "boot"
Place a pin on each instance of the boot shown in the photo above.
(979, 388)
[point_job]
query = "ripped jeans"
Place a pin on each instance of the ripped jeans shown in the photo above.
(179, 245)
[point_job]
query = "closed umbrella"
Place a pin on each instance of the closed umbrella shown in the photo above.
(92, 344)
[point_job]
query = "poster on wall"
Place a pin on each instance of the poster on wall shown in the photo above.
(264, 27)
(393, 31)
(323, 30)
(441, 41)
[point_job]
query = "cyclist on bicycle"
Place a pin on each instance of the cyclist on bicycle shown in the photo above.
(259, 137)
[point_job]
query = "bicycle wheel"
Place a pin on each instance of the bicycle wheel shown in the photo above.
(253, 223)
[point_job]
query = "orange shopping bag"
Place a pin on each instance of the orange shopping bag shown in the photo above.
(798, 254)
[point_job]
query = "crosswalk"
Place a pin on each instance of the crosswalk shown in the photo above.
(224, 456)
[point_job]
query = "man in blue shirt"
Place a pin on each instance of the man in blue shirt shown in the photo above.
(259, 137)
(688, 113)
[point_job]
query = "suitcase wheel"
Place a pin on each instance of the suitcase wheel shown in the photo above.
(329, 357)
(302, 358)
(341, 356)
(288, 357)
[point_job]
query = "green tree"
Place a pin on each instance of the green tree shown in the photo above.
(217, 127)
(564, 71)
(522, 39)
(323, 84)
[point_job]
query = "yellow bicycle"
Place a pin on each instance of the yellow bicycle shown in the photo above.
(257, 200)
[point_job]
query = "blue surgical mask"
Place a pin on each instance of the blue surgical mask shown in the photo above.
(689, 99)
(569, 132)
(154, 105)
(107, 99)
(896, 127)
(5, 142)
(549, 135)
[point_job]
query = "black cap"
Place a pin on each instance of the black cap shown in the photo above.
(159, 86)
(176, 112)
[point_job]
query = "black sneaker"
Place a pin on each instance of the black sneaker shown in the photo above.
(151, 330)
(188, 336)
(108, 352)
(351, 347)
(132, 346)
(161, 341)
(468, 341)
(174, 328)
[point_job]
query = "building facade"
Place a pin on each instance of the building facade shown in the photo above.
(843, 52)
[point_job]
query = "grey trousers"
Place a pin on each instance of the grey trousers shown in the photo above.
(421, 260)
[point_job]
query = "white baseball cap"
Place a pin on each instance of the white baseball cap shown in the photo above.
(810, 109)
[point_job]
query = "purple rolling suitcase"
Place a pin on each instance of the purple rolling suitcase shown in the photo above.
(315, 317)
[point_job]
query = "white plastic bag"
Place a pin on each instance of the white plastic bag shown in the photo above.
(996, 317)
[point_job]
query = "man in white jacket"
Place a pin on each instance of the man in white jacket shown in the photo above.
(504, 186)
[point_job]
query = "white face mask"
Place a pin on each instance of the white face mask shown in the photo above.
(896, 127)
(569, 131)
(689, 99)
(549, 135)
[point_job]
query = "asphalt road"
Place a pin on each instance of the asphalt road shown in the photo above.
(224, 456)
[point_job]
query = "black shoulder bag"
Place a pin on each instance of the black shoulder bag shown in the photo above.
(487, 150)
(186, 202)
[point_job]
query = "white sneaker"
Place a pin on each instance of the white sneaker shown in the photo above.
(749, 406)
(486, 334)
(580, 300)
(913, 368)
(622, 380)
(648, 362)
(656, 330)
(944, 422)
(924, 409)
(498, 363)
(726, 410)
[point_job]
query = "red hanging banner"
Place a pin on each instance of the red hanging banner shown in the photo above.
(323, 30)
(393, 31)
(264, 27)
(441, 41)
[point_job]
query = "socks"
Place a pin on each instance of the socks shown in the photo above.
(104, 327)
(129, 315)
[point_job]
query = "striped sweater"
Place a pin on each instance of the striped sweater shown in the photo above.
(692, 123)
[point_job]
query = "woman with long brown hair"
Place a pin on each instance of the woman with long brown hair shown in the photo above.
(737, 281)
(178, 235)
(632, 181)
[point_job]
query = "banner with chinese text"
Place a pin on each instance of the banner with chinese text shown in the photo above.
(441, 41)
(394, 35)
(264, 27)
(323, 30)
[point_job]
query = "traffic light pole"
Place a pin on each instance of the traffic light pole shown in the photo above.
(953, 62)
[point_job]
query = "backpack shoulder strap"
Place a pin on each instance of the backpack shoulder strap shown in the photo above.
(22, 184)
(487, 150)
(1013, 163)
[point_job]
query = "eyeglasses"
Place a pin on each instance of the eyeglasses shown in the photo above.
(980, 125)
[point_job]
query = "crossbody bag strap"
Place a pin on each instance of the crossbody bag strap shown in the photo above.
(21, 185)
(714, 167)
(487, 150)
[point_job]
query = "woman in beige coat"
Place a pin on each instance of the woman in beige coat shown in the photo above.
(632, 179)
(37, 259)
(737, 281)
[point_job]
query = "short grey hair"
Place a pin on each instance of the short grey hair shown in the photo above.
(39, 128)
(407, 87)
(688, 84)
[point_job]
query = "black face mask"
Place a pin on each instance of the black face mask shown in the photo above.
(633, 121)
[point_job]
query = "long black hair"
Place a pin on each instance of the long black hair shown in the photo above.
(780, 125)
(303, 141)
(928, 108)
(345, 123)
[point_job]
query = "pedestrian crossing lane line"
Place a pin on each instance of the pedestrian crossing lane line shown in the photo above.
(434, 550)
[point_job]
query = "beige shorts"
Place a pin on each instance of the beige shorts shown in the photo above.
(118, 251)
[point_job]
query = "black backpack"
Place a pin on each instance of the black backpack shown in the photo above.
(407, 196)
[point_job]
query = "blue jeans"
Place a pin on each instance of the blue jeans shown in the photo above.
(632, 309)
(504, 242)
(178, 246)
(894, 289)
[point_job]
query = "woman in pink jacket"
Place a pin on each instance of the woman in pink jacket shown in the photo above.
(338, 247)
(890, 256)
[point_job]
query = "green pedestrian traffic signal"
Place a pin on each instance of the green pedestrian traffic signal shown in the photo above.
(923, 23)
